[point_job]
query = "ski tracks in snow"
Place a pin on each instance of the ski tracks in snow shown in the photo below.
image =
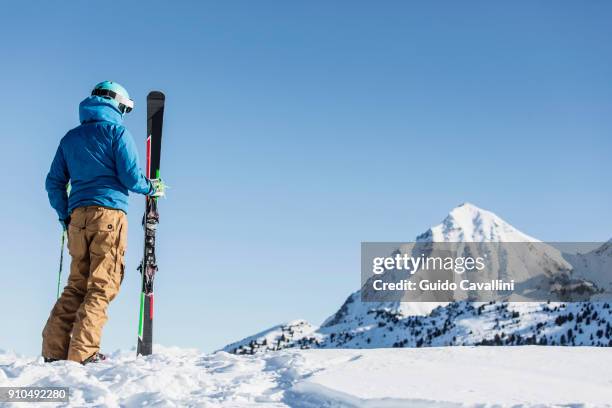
(174, 377)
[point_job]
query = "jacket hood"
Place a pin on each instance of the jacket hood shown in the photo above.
(98, 109)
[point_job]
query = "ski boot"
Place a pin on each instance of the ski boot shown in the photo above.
(50, 360)
(94, 358)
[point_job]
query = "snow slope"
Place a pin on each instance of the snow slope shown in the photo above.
(454, 324)
(428, 377)
(595, 265)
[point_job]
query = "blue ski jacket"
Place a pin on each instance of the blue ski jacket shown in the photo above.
(99, 159)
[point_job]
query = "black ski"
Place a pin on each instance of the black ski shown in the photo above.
(148, 267)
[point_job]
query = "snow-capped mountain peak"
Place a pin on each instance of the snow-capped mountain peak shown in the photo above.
(534, 266)
(408, 323)
(469, 223)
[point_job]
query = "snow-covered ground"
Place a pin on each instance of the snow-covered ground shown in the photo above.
(425, 377)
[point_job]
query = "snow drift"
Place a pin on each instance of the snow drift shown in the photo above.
(392, 378)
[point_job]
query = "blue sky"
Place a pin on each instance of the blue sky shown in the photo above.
(296, 130)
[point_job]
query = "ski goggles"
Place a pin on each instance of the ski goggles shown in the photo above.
(125, 104)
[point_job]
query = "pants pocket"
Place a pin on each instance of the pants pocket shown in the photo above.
(104, 220)
(77, 246)
(118, 274)
(105, 225)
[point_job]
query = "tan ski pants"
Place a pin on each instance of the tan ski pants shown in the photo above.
(97, 240)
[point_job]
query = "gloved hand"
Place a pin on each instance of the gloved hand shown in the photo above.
(65, 223)
(158, 188)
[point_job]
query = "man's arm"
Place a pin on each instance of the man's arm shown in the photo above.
(56, 182)
(127, 164)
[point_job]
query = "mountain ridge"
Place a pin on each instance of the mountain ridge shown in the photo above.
(359, 324)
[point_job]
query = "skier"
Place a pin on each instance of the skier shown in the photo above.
(100, 161)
